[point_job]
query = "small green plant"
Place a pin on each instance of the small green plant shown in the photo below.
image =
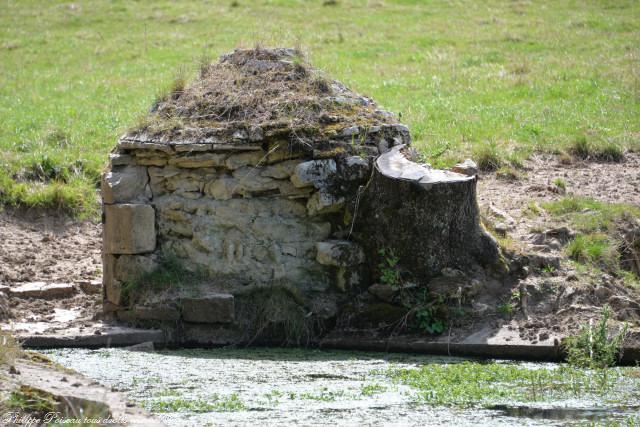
(548, 269)
(31, 400)
(215, 403)
(429, 321)
(389, 271)
(231, 403)
(580, 147)
(610, 152)
(372, 389)
(168, 393)
(559, 183)
(423, 312)
(594, 346)
(46, 169)
(274, 395)
(507, 308)
(594, 249)
(430, 313)
(532, 210)
(325, 395)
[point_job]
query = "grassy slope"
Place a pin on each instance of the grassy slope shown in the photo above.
(507, 76)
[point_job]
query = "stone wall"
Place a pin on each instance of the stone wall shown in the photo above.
(249, 214)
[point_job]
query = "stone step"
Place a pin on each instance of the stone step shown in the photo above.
(42, 290)
(109, 336)
(213, 308)
(90, 286)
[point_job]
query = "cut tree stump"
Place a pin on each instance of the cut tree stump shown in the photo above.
(428, 218)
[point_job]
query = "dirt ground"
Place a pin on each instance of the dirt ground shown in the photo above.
(38, 247)
(559, 302)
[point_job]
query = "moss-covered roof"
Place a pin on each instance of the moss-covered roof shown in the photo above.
(257, 94)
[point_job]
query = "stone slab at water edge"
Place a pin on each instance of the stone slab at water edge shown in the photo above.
(253, 205)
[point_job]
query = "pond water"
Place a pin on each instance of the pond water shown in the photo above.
(261, 386)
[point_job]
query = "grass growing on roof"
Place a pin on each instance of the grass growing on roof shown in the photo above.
(276, 89)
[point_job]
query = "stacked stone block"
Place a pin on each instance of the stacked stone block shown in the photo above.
(248, 212)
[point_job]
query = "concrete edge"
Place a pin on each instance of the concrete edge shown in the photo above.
(479, 349)
(531, 352)
(107, 339)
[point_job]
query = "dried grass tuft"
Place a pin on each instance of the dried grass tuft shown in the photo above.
(266, 88)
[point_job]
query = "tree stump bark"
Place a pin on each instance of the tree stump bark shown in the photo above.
(429, 219)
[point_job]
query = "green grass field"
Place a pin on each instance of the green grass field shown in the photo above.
(471, 78)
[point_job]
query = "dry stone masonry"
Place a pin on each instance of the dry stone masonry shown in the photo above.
(252, 179)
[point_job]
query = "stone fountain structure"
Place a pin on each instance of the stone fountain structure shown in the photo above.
(265, 192)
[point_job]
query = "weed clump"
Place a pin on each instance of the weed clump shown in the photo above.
(77, 197)
(277, 313)
(488, 157)
(473, 384)
(32, 401)
(509, 173)
(216, 403)
(560, 184)
(592, 149)
(426, 311)
(170, 273)
(595, 346)
(607, 235)
(389, 271)
(594, 249)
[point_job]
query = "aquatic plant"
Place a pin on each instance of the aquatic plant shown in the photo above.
(594, 346)
(216, 403)
(373, 388)
(473, 384)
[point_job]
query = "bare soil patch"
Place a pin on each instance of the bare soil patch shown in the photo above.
(39, 247)
(558, 300)
(48, 248)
